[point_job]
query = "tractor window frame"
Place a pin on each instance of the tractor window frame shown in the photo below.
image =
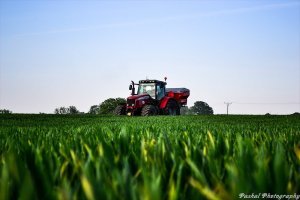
(160, 88)
(142, 89)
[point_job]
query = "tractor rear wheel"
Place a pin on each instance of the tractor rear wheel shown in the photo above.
(120, 110)
(172, 108)
(149, 110)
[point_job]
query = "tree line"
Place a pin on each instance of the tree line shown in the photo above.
(5, 111)
(108, 106)
(199, 108)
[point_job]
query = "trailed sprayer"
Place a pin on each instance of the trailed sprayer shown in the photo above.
(153, 98)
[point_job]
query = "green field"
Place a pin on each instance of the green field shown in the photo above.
(161, 157)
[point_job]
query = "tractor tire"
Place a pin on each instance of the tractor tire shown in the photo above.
(149, 110)
(120, 110)
(172, 108)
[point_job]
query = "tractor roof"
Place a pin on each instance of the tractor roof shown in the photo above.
(150, 81)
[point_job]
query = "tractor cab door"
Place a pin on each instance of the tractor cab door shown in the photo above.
(160, 91)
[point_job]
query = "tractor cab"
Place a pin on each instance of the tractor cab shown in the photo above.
(156, 89)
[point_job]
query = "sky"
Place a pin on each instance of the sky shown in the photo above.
(63, 53)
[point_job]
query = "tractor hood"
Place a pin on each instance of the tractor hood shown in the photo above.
(134, 97)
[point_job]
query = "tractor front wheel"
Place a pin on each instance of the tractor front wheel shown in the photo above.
(120, 110)
(149, 110)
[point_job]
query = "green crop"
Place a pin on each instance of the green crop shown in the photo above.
(161, 157)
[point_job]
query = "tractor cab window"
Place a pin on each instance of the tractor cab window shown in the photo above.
(147, 88)
(160, 91)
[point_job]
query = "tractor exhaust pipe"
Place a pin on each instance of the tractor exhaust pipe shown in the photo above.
(132, 88)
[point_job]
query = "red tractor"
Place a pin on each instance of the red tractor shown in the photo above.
(153, 98)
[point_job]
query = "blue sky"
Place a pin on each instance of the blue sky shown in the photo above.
(62, 53)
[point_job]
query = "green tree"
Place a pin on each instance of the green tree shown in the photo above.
(296, 114)
(185, 110)
(64, 110)
(61, 110)
(202, 108)
(109, 105)
(73, 110)
(95, 109)
(5, 111)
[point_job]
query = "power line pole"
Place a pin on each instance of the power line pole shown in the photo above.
(227, 104)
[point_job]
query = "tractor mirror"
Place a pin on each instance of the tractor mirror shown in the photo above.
(130, 87)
